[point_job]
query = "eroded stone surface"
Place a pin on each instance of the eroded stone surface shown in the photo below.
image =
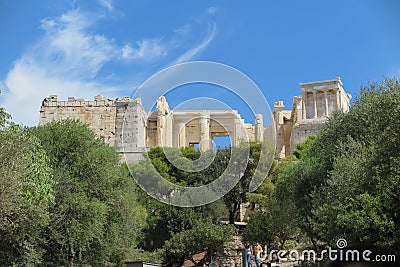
(125, 125)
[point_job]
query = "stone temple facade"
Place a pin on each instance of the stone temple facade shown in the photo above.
(309, 113)
(125, 125)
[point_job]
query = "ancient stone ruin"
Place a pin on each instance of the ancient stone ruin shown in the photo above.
(309, 113)
(125, 125)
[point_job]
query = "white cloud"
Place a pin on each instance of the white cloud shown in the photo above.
(29, 83)
(69, 56)
(126, 51)
(147, 50)
(107, 4)
(188, 55)
(185, 29)
(66, 42)
(64, 61)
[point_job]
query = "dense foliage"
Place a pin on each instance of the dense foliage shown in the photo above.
(95, 218)
(26, 181)
(184, 231)
(347, 182)
(344, 182)
(272, 220)
(66, 200)
(222, 156)
(204, 236)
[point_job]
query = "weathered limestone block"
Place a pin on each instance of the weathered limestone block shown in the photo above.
(101, 121)
(230, 254)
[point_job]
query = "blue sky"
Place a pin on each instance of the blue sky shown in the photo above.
(87, 48)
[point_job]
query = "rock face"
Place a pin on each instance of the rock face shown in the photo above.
(125, 125)
(230, 254)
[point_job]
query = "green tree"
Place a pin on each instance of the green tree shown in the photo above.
(273, 219)
(4, 118)
(203, 237)
(347, 184)
(274, 224)
(283, 225)
(238, 195)
(96, 218)
(163, 221)
(166, 224)
(259, 228)
(263, 195)
(166, 169)
(25, 195)
(302, 149)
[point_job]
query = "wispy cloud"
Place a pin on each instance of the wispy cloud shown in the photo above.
(69, 59)
(107, 4)
(66, 61)
(28, 83)
(147, 49)
(185, 29)
(189, 54)
(66, 41)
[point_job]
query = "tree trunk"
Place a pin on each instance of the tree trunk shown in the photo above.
(232, 212)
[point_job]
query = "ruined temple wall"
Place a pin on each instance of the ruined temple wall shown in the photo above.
(98, 114)
(287, 133)
(131, 121)
(319, 101)
(151, 130)
(344, 100)
(269, 134)
(250, 132)
(125, 125)
(302, 130)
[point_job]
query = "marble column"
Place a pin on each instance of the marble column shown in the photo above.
(337, 99)
(237, 133)
(259, 128)
(205, 139)
(168, 131)
(182, 135)
(326, 103)
(160, 128)
(303, 105)
(315, 104)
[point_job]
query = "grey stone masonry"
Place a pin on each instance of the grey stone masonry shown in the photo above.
(99, 114)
